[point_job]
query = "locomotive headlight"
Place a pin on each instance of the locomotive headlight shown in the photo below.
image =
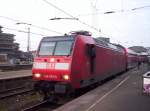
(37, 75)
(66, 77)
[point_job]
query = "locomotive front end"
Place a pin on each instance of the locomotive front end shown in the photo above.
(51, 68)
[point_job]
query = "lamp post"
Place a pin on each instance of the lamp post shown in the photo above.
(28, 41)
(28, 32)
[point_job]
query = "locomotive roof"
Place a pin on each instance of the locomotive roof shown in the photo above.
(108, 45)
(56, 38)
(130, 51)
(69, 36)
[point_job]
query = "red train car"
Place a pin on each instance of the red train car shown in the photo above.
(69, 62)
(143, 58)
(132, 59)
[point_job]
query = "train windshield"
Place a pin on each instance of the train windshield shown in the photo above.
(55, 47)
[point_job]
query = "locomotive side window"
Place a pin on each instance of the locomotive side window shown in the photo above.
(63, 48)
(47, 48)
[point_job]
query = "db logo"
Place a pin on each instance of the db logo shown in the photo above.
(51, 65)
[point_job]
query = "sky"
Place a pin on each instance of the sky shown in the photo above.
(126, 26)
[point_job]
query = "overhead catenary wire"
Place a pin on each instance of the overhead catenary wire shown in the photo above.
(92, 27)
(108, 12)
(13, 29)
(47, 29)
(18, 21)
(60, 33)
(115, 11)
(32, 25)
(8, 18)
(137, 8)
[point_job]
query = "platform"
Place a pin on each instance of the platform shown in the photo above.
(124, 93)
(15, 74)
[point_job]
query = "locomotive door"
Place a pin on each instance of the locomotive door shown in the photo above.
(90, 50)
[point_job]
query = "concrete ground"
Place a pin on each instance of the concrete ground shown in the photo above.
(124, 93)
(15, 74)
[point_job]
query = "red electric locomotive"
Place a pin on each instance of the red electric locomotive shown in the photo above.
(66, 63)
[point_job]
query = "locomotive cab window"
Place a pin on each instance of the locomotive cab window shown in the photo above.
(47, 48)
(63, 48)
(56, 47)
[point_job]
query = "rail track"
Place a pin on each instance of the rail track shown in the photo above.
(11, 85)
(5, 95)
(35, 106)
(12, 89)
(45, 105)
(14, 86)
(40, 105)
(49, 105)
